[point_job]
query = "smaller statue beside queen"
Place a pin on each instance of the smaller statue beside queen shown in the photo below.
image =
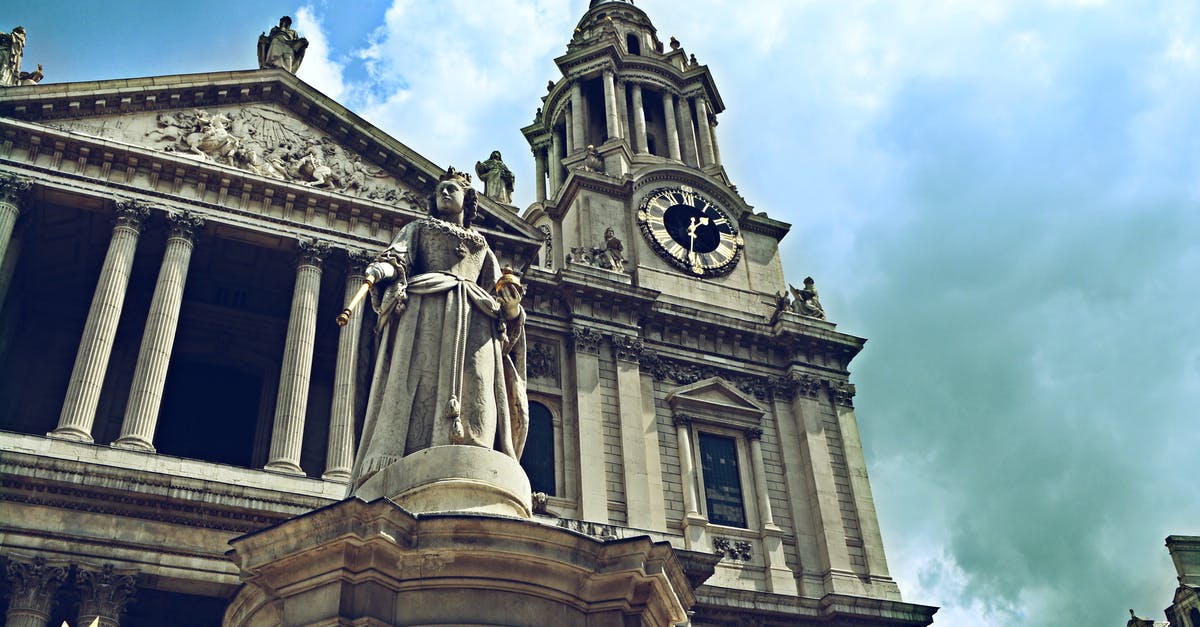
(451, 331)
(282, 48)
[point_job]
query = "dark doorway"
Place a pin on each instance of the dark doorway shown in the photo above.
(209, 412)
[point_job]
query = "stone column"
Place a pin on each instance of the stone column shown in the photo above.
(715, 146)
(339, 455)
(87, 376)
(622, 109)
(639, 121)
(578, 137)
(672, 129)
(610, 106)
(689, 132)
(12, 194)
(569, 130)
(644, 504)
(539, 158)
(593, 488)
(780, 579)
(287, 434)
(150, 374)
(695, 526)
(104, 594)
(555, 162)
(34, 584)
(705, 131)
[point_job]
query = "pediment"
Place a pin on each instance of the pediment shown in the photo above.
(716, 400)
(260, 128)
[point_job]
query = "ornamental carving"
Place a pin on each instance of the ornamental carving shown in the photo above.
(34, 584)
(14, 188)
(686, 373)
(627, 347)
(311, 252)
(842, 393)
(787, 386)
(588, 528)
(609, 256)
(585, 340)
(542, 361)
(105, 592)
(184, 224)
(358, 261)
(737, 550)
(682, 420)
(548, 242)
(130, 214)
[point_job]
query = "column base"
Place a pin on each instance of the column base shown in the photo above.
(780, 578)
(72, 434)
(453, 479)
(284, 467)
(340, 476)
(131, 443)
(695, 532)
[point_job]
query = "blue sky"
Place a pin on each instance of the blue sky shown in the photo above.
(1000, 195)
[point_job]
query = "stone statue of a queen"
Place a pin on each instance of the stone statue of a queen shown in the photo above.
(451, 362)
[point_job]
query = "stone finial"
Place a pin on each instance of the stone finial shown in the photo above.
(282, 48)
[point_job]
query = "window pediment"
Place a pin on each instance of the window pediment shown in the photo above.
(716, 401)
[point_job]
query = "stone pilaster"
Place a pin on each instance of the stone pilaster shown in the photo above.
(695, 525)
(13, 190)
(593, 490)
(339, 455)
(610, 106)
(91, 362)
(639, 120)
(780, 579)
(672, 128)
(704, 129)
(645, 505)
(104, 593)
(34, 585)
(287, 435)
(688, 137)
(150, 374)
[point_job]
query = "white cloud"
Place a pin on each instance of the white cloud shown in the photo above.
(318, 69)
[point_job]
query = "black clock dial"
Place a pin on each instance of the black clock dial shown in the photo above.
(690, 231)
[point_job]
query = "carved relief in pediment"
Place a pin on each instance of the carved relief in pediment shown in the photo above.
(263, 139)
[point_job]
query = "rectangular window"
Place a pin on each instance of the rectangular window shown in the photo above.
(722, 480)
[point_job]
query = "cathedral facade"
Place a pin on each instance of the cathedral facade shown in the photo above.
(174, 250)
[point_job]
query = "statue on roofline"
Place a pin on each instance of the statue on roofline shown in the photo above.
(282, 48)
(497, 178)
(12, 47)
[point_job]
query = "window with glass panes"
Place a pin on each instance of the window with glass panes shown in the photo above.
(722, 480)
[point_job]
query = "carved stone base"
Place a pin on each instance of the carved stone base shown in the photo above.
(359, 563)
(454, 479)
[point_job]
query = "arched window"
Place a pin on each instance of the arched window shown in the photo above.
(632, 43)
(538, 457)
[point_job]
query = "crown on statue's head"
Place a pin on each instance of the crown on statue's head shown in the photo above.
(463, 178)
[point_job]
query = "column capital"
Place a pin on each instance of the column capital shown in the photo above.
(130, 213)
(682, 420)
(34, 584)
(627, 347)
(311, 252)
(359, 260)
(842, 393)
(586, 340)
(184, 224)
(13, 188)
(753, 434)
(104, 592)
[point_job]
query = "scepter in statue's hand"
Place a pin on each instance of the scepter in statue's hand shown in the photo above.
(375, 272)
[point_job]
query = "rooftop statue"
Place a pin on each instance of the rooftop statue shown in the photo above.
(12, 47)
(806, 302)
(451, 331)
(497, 178)
(282, 48)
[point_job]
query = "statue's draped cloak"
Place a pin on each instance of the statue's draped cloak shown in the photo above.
(441, 336)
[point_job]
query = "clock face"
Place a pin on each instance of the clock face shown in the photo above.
(690, 231)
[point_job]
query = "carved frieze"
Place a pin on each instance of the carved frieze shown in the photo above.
(736, 550)
(586, 340)
(594, 529)
(686, 373)
(541, 361)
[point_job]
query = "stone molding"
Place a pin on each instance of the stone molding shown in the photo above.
(586, 340)
(627, 347)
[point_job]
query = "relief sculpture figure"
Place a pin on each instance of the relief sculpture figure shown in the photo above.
(451, 362)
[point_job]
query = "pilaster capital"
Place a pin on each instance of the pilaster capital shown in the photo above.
(34, 582)
(753, 434)
(130, 213)
(682, 420)
(13, 188)
(105, 591)
(359, 260)
(311, 252)
(627, 347)
(184, 224)
(842, 393)
(585, 340)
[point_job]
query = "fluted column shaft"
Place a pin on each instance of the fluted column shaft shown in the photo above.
(689, 132)
(539, 158)
(672, 129)
(555, 162)
(610, 105)
(339, 455)
(31, 597)
(704, 128)
(150, 374)
(287, 434)
(103, 595)
(12, 191)
(91, 362)
(639, 121)
(578, 138)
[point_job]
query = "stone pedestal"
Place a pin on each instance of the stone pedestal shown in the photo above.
(375, 564)
(453, 479)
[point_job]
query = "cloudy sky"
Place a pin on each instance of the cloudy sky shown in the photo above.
(1002, 196)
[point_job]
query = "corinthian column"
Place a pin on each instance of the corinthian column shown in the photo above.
(288, 433)
(688, 138)
(12, 193)
(672, 130)
(610, 105)
(34, 585)
(639, 120)
(339, 455)
(87, 377)
(150, 374)
(578, 139)
(704, 128)
(103, 595)
(539, 157)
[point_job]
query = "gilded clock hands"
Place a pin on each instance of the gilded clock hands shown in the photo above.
(693, 224)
